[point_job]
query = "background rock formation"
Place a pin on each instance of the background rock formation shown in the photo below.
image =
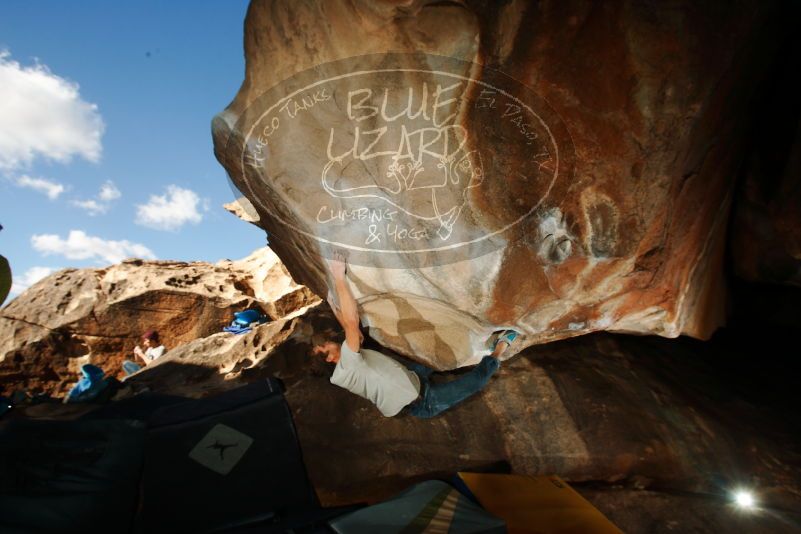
(78, 316)
(651, 105)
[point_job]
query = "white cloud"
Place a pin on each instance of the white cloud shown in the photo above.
(31, 276)
(171, 211)
(79, 246)
(49, 188)
(44, 115)
(108, 193)
(92, 207)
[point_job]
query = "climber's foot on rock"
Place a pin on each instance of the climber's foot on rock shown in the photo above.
(504, 340)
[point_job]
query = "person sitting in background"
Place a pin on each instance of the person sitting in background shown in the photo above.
(153, 350)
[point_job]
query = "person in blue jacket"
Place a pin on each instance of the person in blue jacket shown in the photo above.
(91, 384)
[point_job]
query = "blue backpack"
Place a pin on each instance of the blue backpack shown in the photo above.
(245, 318)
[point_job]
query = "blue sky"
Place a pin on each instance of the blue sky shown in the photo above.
(105, 144)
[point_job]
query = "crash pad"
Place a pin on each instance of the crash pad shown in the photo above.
(537, 504)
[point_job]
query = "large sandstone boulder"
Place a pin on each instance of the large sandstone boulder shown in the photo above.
(554, 167)
(78, 316)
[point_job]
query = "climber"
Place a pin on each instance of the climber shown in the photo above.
(153, 350)
(388, 384)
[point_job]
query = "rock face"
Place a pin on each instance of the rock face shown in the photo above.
(555, 167)
(97, 316)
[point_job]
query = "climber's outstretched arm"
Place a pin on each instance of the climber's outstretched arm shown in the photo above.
(348, 312)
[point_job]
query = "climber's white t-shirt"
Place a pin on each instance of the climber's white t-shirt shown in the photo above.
(376, 377)
(154, 352)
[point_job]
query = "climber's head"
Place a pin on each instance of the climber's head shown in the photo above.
(150, 338)
(328, 342)
(331, 350)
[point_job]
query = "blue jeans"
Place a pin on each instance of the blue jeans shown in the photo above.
(130, 367)
(436, 398)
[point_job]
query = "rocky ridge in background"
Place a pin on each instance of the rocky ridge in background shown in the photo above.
(78, 316)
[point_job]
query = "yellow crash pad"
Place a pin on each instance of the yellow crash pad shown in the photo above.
(537, 505)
